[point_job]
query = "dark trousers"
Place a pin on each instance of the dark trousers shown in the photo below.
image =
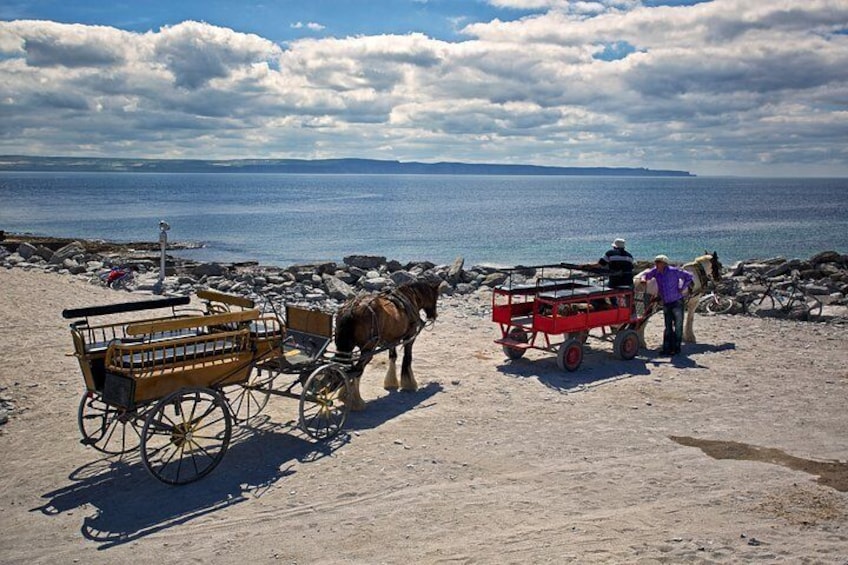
(673, 334)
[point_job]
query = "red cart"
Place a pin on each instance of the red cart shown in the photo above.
(556, 313)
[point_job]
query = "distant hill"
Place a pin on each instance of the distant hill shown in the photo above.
(319, 166)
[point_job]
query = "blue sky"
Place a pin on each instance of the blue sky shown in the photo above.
(714, 87)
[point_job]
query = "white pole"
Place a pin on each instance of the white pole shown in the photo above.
(159, 287)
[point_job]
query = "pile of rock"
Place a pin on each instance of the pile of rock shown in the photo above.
(824, 275)
(327, 285)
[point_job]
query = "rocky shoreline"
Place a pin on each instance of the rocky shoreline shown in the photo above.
(326, 285)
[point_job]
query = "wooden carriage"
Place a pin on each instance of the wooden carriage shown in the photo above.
(173, 383)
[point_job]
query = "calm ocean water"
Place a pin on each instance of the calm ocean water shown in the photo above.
(499, 220)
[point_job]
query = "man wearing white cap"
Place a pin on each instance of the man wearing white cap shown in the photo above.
(672, 284)
(619, 261)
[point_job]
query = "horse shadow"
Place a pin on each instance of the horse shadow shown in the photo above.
(395, 403)
(129, 504)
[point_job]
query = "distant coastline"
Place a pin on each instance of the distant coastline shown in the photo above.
(22, 163)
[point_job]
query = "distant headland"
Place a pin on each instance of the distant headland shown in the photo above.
(302, 166)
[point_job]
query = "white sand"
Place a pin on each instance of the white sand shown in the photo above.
(490, 462)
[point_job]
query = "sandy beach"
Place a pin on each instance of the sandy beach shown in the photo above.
(734, 452)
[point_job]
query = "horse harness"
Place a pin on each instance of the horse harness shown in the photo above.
(702, 275)
(403, 303)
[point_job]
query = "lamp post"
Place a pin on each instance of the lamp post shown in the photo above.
(163, 244)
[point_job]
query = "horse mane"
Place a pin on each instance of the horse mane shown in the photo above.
(703, 258)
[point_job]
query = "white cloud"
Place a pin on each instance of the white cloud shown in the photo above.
(313, 26)
(711, 88)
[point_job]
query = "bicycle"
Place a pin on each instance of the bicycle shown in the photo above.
(785, 297)
(118, 278)
(714, 303)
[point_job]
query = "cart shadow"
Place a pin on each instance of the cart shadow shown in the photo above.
(122, 502)
(393, 404)
(599, 368)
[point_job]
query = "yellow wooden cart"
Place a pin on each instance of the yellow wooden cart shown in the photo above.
(173, 384)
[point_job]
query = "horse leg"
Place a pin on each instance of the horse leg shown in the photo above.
(391, 380)
(688, 330)
(407, 379)
(354, 396)
(640, 333)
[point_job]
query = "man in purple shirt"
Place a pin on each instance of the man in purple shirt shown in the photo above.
(673, 285)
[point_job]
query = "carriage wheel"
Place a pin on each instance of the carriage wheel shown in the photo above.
(515, 334)
(106, 428)
(247, 400)
(186, 435)
(570, 355)
(626, 344)
(323, 409)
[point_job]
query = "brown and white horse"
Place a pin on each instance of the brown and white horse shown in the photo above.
(381, 321)
(704, 269)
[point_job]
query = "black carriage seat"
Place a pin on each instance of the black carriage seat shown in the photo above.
(543, 285)
(578, 292)
(266, 328)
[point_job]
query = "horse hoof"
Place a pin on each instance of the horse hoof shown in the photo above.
(390, 387)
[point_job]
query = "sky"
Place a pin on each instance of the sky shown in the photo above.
(721, 87)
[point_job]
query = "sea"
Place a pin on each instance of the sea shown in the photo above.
(285, 219)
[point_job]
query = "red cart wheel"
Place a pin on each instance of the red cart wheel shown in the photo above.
(626, 344)
(570, 355)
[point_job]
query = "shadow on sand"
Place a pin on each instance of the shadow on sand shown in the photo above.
(599, 367)
(123, 502)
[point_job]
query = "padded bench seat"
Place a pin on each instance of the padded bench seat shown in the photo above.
(582, 292)
(550, 285)
(102, 346)
(179, 353)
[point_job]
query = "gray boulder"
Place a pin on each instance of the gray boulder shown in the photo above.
(26, 250)
(67, 252)
(337, 288)
(366, 262)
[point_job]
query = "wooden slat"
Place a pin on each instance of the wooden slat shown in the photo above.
(192, 322)
(214, 296)
(312, 322)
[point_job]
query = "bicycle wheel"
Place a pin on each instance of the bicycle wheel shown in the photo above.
(760, 305)
(814, 307)
(719, 304)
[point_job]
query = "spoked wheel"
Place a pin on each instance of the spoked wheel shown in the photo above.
(519, 335)
(814, 307)
(247, 400)
(323, 410)
(186, 435)
(626, 344)
(719, 305)
(570, 355)
(761, 305)
(106, 428)
(803, 307)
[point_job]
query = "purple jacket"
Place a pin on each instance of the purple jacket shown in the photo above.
(670, 283)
